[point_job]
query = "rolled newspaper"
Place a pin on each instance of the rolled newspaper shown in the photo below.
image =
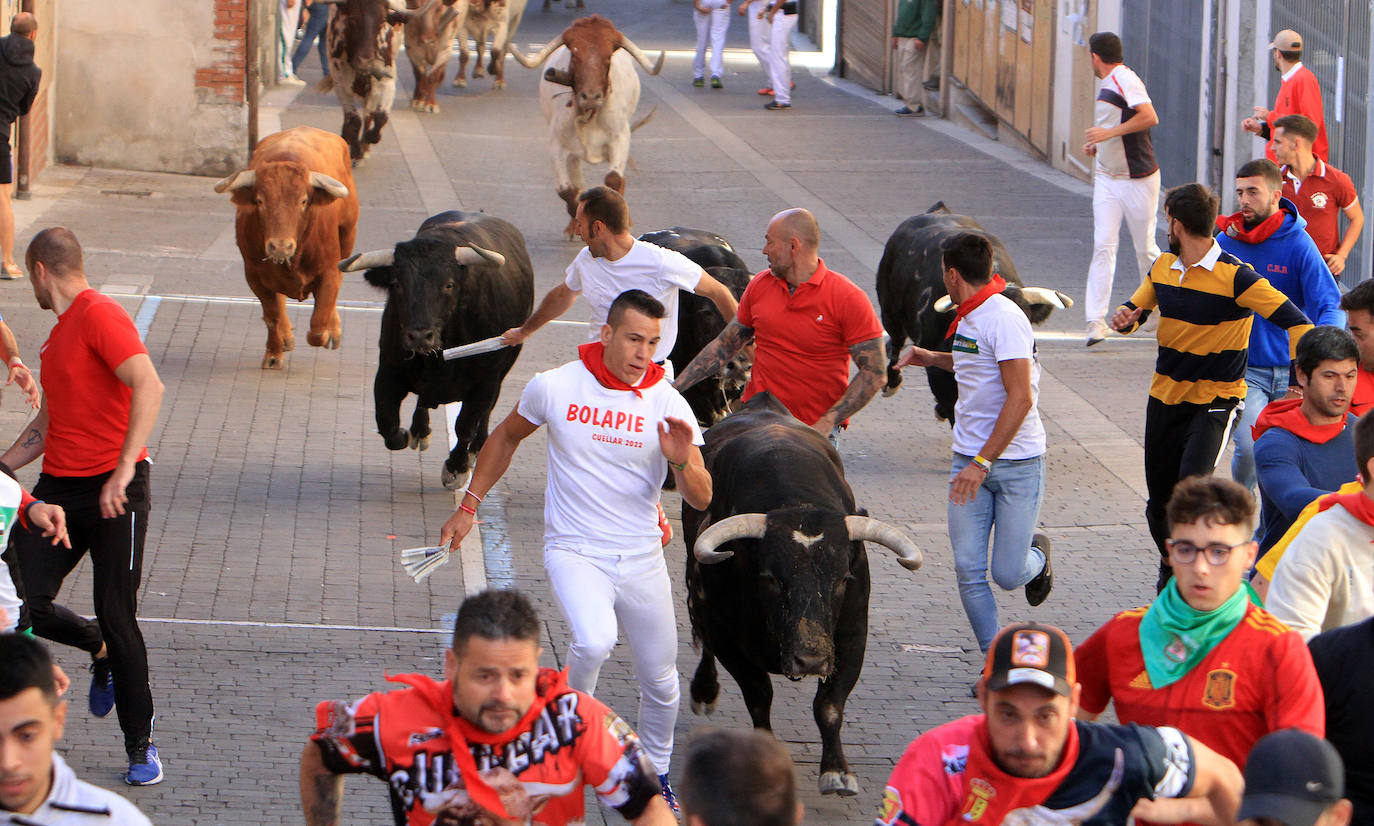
(476, 348)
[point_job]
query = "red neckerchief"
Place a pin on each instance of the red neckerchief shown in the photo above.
(439, 696)
(990, 793)
(1234, 226)
(1286, 414)
(968, 305)
(1357, 505)
(593, 355)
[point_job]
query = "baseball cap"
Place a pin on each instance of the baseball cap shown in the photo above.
(1286, 41)
(1292, 777)
(1030, 653)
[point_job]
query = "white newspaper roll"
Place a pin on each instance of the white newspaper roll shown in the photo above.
(476, 348)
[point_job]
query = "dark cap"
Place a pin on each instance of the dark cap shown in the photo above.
(1029, 652)
(1292, 777)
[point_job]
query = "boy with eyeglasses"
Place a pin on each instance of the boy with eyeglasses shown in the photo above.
(1204, 657)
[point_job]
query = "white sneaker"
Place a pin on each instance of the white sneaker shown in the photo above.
(1097, 333)
(290, 80)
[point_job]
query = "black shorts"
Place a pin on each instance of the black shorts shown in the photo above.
(7, 161)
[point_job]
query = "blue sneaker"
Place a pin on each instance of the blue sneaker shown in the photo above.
(145, 769)
(102, 699)
(668, 794)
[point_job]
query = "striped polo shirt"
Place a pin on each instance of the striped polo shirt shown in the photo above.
(1205, 314)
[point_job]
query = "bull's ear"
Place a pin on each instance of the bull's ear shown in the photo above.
(244, 196)
(380, 277)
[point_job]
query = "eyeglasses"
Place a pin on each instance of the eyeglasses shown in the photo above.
(1186, 552)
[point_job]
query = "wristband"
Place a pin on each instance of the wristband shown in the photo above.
(16, 362)
(29, 507)
(982, 463)
(467, 510)
(469, 492)
(676, 466)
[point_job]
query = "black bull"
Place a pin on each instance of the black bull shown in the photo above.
(910, 283)
(699, 322)
(465, 276)
(778, 582)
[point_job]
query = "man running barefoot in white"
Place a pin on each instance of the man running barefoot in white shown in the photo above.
(615, 427)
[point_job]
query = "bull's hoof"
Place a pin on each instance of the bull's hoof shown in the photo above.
(432, 108)
(398, 440)
(334, 340)
(417, 105)
(460, 81)
(890, 390)
(356, 162)
(273, 362)
(454, 480)
(703, 709)
(478, 71)
(288, 344)
(419, 442)
(843, 784)
(500, 84)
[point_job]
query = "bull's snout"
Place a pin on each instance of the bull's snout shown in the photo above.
(809, 663)
(281, 250)
(589, 103)
(420, 341)
(811, 653)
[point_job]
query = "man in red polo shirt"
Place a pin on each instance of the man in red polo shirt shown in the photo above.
(1320, 191)
(1299, 93)
(807, 321)
(100, 402)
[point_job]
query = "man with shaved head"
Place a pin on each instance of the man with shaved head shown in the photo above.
(807, 321)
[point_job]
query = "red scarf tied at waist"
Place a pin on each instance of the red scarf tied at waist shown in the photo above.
(968, 305)
(593, 355)
(1234, 226)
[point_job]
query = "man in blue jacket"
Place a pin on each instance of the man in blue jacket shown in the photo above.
(1306, 447)
(1270, 236)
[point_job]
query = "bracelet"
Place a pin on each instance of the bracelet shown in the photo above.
(982, 463)
(16, 362)
(469, 492)
(467, 510)
(676, 466)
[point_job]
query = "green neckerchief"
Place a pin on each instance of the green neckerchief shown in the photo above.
(1174, 636)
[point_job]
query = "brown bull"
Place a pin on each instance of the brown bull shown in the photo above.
(297, 216)
(429, 44)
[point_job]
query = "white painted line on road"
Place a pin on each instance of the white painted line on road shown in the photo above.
(1054, 335)
(311, 626)
(147, 311)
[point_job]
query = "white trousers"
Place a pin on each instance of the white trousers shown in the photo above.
(286, 35)
(759, 35)
(1136, 200)
(779, 49)
(711, 27)
(593, 592)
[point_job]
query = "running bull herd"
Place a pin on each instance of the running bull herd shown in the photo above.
(780, 550)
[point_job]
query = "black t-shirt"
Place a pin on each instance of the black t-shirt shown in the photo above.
(1344, 658)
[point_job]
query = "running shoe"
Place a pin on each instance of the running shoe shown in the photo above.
(102, 698)
(908, 112)
(715, 82)
(1097, 333)
(145, 767)
(698, 82)
(774, 105)
(767, 90)
(1038, 589)
(668, 795)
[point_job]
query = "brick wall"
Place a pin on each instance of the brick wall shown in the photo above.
(222, 80)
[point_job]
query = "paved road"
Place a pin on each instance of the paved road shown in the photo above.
(271, 579)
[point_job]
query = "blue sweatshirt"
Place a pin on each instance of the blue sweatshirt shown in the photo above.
(1290, 261)
(1293, 471)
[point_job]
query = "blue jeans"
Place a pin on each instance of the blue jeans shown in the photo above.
(1263, 385)
(1009, 498)
(314, 30)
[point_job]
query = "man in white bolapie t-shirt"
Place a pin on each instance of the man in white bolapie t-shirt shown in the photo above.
(613, 262)
(615, 427)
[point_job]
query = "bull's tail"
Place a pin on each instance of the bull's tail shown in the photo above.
(325, 86)
(644, 119)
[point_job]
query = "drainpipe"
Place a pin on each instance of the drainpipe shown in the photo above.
(22, 159)
(252, 72)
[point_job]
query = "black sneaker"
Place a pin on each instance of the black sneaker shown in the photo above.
(1039, 588)
(774, 105)
(102, 696)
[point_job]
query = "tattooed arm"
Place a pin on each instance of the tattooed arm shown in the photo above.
(872, 375)
(321, 789)
(29, 445)
(714, 355)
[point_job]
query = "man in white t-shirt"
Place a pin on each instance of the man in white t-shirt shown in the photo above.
(614, 261)
(615, 428)
(1125, 176)
(998, 475)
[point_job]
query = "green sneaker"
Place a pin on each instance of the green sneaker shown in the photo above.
(699, 82)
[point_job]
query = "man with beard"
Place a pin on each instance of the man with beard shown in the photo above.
(807, 321)
(1269, 235)
(1026, 760)
(1209, 298)
(499, 742)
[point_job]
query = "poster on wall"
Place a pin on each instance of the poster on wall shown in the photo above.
(1009, 14)
(1027, 20)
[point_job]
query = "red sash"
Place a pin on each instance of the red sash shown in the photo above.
(1234, 226)
(968, 305)
(593, 355)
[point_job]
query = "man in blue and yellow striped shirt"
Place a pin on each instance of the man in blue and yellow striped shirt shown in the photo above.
(1206, 300)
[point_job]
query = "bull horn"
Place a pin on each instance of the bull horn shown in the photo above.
(400, 13)
(943, 304)
(560, 76)
(739, 526)
(473, 255)
(242, 179)
(333, 186)
(1044, 295)
(538, 60)
(447, 17)
(638, 54)
(367, 260)
(867, 529)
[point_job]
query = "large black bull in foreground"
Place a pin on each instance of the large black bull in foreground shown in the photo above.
(911, 284)
(699, 322)
(464, 277)
(778, 582)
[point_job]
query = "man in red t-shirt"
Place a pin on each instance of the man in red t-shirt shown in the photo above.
(1320, 191)
(1299, 94)
(500, 741)
(1358, 305)
(101, 399)
(807, 321)
(1204, 657)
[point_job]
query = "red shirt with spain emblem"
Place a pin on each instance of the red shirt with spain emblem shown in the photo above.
(565, 742)
(1258, 679)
